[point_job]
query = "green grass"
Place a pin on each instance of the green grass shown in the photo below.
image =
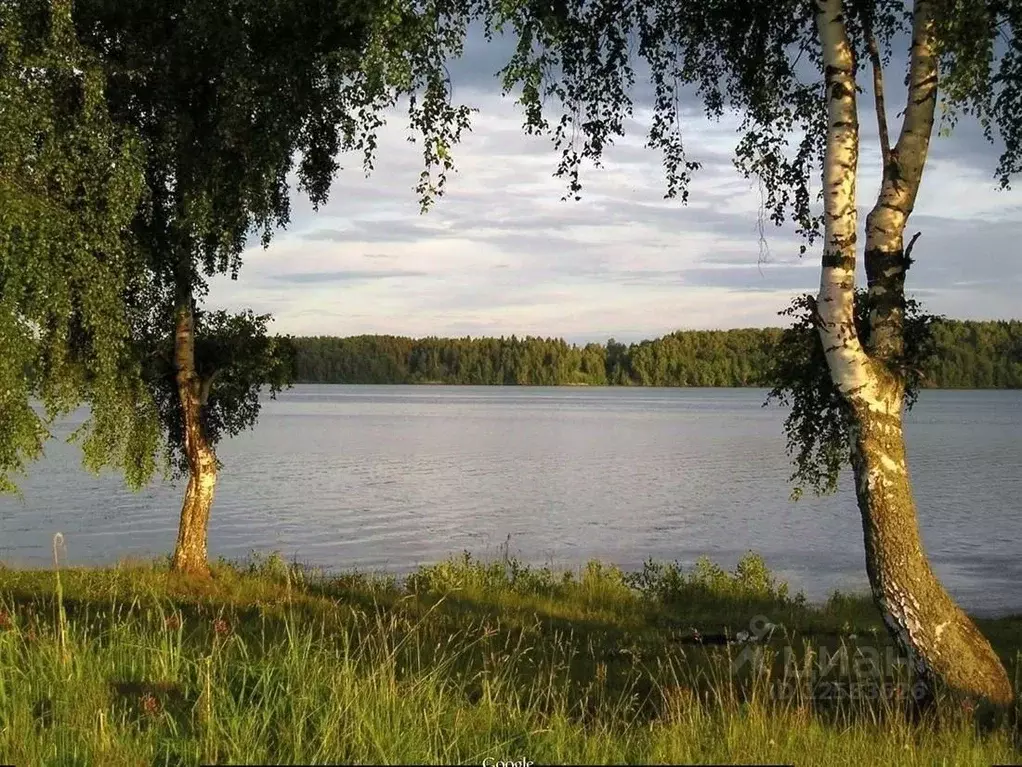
(464, 660)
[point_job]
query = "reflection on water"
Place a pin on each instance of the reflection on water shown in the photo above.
(391, 477)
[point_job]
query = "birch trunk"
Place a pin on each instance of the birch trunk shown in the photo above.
(921, 616)
(190, 555)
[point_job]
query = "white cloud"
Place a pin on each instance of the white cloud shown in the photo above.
(502, 254)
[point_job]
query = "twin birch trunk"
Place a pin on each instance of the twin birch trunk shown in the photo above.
(190, 555)
(919, 613)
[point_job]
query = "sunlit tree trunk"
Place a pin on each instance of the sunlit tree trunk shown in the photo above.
(190, 554)
(921, 616)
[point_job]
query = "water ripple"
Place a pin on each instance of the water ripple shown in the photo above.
(393, 477)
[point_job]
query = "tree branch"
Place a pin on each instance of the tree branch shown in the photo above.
(878, 97)
(908, 250)
(207, 385)
(866, 17)
(917, 126)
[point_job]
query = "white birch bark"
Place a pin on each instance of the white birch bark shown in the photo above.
(849, 365)
(942, 641)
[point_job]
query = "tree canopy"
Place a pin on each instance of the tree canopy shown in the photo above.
(234, 103)
(760, 61)
(70, 183)
(959, 354)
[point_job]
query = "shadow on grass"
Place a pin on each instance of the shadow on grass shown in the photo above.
(734, 638)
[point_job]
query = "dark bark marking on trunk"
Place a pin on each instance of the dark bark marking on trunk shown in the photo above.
(838, 261)
(921, 616)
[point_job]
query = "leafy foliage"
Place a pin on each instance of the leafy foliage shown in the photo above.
(758, 60)
(70, 181)
(818, 426)
(968, 354)
(763, 62)
(225, 95)
(690, 358)
(668, 583)
(237, 359)
(981, 72)
(734, 56)
(977, 355)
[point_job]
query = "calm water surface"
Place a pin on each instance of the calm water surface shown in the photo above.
(392, 477)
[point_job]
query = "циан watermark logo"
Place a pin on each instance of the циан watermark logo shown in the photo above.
(854, 669)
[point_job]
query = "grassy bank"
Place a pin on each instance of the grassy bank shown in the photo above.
(266, 663)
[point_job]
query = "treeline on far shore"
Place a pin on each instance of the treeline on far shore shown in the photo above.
(969, 354)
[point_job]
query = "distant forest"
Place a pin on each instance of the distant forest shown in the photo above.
(970, 355)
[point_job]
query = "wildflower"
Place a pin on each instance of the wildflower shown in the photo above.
(221, 627)
(149, 703)
(5, 620)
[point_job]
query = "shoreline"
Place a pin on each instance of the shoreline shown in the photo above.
(257, 561)
(462, 662)
(763, 387)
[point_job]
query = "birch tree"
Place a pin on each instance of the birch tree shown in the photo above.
(791, 71)
(231, 100)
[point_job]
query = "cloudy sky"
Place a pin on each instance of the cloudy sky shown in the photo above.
(501, 253)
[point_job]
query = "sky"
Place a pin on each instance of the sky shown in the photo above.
(501, 253)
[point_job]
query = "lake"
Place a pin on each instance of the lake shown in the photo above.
(390, 477)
